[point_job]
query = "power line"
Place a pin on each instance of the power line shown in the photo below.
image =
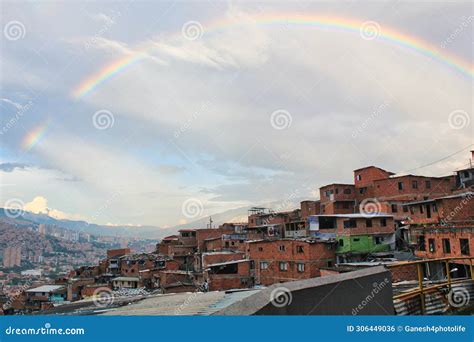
(439, 160)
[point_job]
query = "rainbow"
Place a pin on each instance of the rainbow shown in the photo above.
(34, 136)
(109, 71)
(342, 24)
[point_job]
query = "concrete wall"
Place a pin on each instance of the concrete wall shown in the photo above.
(364, 292)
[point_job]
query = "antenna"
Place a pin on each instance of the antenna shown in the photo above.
(210, 221)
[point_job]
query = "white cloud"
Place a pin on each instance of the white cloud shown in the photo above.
(39, 205)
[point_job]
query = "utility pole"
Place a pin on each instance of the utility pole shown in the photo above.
(210, 221)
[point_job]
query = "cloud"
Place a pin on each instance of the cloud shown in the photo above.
(193, 119)
(12, 103)
(39, 205)
(9, 167)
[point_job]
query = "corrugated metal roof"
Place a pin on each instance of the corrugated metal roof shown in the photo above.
(46, 288)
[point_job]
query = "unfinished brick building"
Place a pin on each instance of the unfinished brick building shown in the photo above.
(283, 260)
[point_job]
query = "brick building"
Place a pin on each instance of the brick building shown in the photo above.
(276, 261)
(337, 199)
(357, 235)
(228, 275)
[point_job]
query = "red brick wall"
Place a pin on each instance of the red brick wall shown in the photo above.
(117, 252)
(89, 290)
(387, 189)
(309, 208)
(213, 245)
(453, 234)
(209, 259)
(313, 257)
(402, 273)
(231, 281)
(203, 234)
(369, 175)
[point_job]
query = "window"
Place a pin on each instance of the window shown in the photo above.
(260, 249)
(421, 243)
(431, 245)
(282, 248)
(329, 263)
(394, 208)
(300, 267)
(337, 191)
(355, 239)
(347, 191)
(446, 246)
(405, 209)
(351, 223)
(368, 223)
(341, 242)
(383, 222)
(359, 177)
(323, 208)
(414, 184)
(346, 205)
(362, 190)
(263, 265)
(400, 185)
(283, 266)
(435, 208)
(299, 249)
(428, 184)
(379, 240)
(421, 209)
(464, 246)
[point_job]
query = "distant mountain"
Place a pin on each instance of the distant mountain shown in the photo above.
(148, 232)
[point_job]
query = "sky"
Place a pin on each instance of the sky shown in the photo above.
(147, 113)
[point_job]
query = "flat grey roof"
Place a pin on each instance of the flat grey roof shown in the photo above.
(46, 288)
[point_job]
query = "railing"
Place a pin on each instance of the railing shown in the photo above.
(421, 291)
